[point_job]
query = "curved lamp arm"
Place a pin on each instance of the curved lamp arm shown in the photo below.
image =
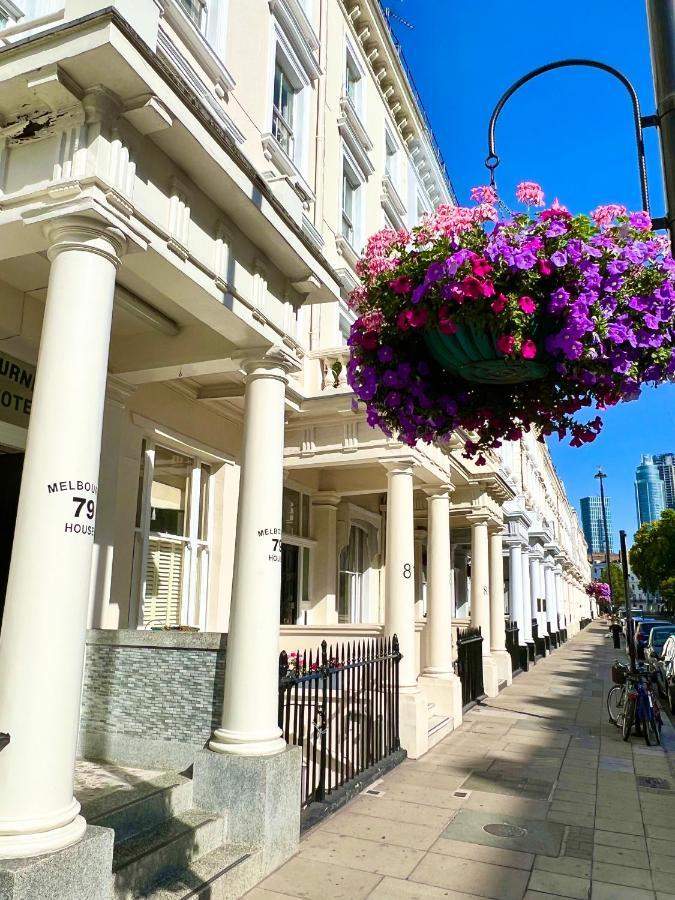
(492, 160)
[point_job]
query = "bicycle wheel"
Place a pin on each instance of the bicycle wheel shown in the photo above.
(651, 729)
(628, 716)
(615, 698)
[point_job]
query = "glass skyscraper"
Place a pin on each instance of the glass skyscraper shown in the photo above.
(650, 496)
(665, 463)
(591, 522)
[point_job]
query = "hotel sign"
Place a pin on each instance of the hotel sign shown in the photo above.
(17, 379)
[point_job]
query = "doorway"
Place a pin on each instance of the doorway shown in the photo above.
(11, 466)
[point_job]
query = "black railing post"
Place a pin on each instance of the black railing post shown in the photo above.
(322, 722)
(397, 659)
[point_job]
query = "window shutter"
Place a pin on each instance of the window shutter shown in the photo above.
(163, 582)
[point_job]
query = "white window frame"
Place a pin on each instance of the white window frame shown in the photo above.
(359, 613)
(282, 52)
(306, 545)
(351, 170)
(394, 172)
(352, 60)
(197, 552)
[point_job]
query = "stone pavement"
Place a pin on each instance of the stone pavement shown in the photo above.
(535, 796)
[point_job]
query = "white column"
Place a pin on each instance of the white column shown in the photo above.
(535, 590)
(400, 603)
(527, 591)
(399, 572)
(480, 580)
(325, 562)
(45, 620)
(551, 608)
(249, 723)
(439, 593)
(497, 611)
(516, 600)
(559, 598)
(480, 597)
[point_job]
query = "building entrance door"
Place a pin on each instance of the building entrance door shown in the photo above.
(11, 466)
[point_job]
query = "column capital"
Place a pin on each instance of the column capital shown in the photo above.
(275, 362)
(438, 491)
(480, 516)
(401, 465)
(326, 498)
(85, 234)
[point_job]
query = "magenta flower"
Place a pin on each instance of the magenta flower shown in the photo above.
(527, 304)
(528, 349)
(530, 193)
(401, 285)
(499, 305)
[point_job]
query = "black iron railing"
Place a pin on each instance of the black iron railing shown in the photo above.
(563, 635)
(553, 635)
(4, 740)
(341, 706)
(584, 622)
(469, 663)
(511, 633)
(539, 642)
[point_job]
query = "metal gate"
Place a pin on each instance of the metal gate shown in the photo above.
(470, 663)
(341, 706)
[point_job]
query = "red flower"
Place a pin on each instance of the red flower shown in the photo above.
(471, 287)
(499, 305)
(480, 266)
(505, 343)
(418, 317)
(368, 340)
(445, 323)
(401, 285)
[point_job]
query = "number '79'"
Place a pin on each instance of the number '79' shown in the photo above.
(81, 503)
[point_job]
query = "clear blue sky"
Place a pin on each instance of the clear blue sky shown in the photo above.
(571, 131)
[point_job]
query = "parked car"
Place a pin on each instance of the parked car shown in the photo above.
(654, 652)
(667, 672)
(642, 630)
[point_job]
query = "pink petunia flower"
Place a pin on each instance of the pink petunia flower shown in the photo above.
(528, 350)
(603, 216)
(527, 304)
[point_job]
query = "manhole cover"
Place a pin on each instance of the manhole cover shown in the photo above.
(656, 784)
(505, 831)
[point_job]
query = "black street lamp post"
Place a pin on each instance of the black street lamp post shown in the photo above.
(661, 18)
(600, 475)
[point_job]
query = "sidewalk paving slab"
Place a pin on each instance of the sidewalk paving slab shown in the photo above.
(571, 810)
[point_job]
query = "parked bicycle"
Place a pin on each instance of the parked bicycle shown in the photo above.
(631, 703)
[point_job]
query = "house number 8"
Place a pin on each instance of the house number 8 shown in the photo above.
(407, 570)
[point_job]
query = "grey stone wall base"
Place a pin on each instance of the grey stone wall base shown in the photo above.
(259, 796)
(130, 750)
(80, 872)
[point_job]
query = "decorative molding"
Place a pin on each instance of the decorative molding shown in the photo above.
(299, 33)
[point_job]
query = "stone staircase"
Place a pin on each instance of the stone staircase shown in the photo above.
(167, 849)
(439, 726)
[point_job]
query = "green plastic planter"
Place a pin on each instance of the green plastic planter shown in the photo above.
(472, 354)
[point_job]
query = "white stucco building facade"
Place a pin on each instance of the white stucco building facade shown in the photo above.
(184, 191)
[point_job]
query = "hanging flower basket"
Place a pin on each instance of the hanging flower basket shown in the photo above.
(599, 590)
(500, 326)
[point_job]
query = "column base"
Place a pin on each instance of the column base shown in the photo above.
(33, 837)
(80, 872)
(259, 797)
(237, 743)
(490, 677)
(504, 668)
(444, 690)
(413, 722)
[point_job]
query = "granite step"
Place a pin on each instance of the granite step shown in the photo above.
(154, 857)
(144, 806)
(438, 728)
(224, 874)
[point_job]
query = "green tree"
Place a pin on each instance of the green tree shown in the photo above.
(618, 590)
(652, 557)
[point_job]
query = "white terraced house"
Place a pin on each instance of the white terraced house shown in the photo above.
(187, 491)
